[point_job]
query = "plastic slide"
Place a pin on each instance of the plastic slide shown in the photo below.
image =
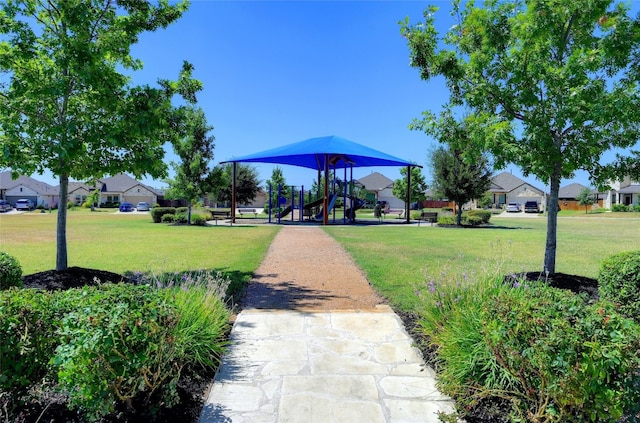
(284, 212)
(350, 212)
(332, 202)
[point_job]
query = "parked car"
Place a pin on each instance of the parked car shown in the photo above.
(24, 204)
(5, 206)
(143, 206)
(531, 207)
(513, 208)
(126, 207)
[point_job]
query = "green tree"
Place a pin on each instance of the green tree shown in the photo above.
(552, 84)
(457, 178)
(585, 198)
(247, 183)
(193, 177)
(277, 179)
(92, 199)
(418, 186)
(67, 106)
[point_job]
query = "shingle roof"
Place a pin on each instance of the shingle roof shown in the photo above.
(121, 183)
(375, 182)
(571, 191)
(508, 182)
(42, 188)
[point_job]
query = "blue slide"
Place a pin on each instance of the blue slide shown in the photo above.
(332, 202)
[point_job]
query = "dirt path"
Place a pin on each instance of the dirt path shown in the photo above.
(306, 269)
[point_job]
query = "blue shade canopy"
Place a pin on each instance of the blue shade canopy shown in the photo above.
(313, 152)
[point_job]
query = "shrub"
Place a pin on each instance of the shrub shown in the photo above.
(10, 271)
(70, 204)
(472, 220)
(120, 345)
(620, 208)
(28, 322)
(447, 210)
(619, 282)
(198, 220)
(180, 218)
(446, 220)
(168, 218)
(635, 208)
(547, 351)
(484, 215)
(182, 210)
(158, 212)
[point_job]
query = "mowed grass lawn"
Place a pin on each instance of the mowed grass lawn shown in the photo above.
(125, 242)
(400, 259)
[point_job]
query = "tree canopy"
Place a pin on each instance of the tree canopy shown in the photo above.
(277, 179)
(67, 106)
(247, 183)
(552, 85)
(418, 185)
(194, 176)
(457, 179)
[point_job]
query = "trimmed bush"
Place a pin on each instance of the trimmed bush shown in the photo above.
(619, 282)
(10, 271)
(620, 208)
(446, 220)
(472, 220)
(484, 215)
(158, 212)
(168, 218)
(182, 210)
(198, 220)
(180, 217)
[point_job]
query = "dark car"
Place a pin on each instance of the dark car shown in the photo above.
(126, 207)
(5, 206)
(531, 207)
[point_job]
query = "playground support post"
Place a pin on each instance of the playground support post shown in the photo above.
(270, 205)
(407, 204)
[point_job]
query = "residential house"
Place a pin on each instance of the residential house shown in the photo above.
(506, 188)
(122, 188)
(625, 192)
(382, 187)
(41, 193)
(568, 196)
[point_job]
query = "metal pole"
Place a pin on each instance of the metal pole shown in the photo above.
(278, 202)
(233, 193)
(293, 201)
(407, 206)
(325, 203)
(270, 205)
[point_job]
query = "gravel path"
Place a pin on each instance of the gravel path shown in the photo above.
(306, 269)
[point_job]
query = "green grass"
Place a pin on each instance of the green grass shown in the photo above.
(129, 242)
(398, 259)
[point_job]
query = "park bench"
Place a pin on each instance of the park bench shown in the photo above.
(220, 214)
(431, 217)
(399, 212)
(243, 210)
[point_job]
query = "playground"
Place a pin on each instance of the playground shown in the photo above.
(336, 199)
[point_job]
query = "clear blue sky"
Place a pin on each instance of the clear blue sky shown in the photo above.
(278, 72)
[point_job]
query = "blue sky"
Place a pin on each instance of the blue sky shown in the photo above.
(278, 72)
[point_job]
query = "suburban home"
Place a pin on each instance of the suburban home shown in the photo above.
(625, 192)
(568, 196)
(115, 189)
(41, 193)
(382, 187)
(506, 188)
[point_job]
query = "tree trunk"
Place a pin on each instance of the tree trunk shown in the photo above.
(458, 214)
(61, 231)
(552, 224)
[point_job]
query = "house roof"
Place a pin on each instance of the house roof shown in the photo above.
(630, 189)
(375, 182)
(121, 183)
(506, 182)
(42, 188)
(571, 191)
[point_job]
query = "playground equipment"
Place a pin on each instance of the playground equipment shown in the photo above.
(331, 204)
